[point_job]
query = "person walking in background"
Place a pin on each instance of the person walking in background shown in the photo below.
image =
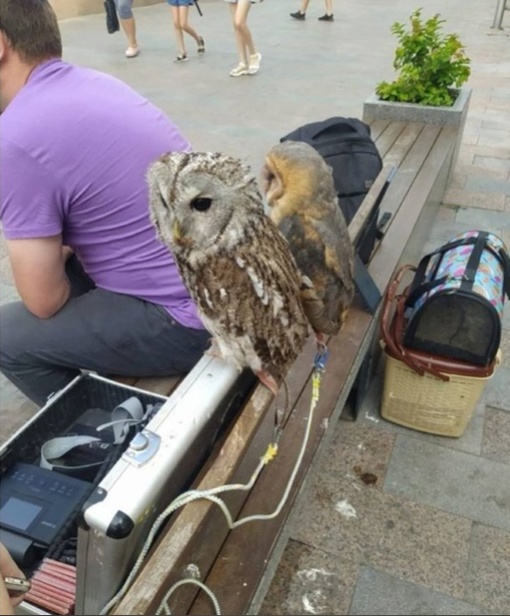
(301, 14)
(249, 59)
(180, 10)
(127, 21)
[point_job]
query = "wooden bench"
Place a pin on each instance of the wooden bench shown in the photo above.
(238, 565)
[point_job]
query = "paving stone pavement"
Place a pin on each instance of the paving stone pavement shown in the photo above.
(432, 535)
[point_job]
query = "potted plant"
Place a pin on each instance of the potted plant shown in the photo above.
(432, 68)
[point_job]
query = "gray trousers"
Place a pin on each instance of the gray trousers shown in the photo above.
(97, 330)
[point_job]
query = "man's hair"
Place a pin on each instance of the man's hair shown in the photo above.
(32, 29)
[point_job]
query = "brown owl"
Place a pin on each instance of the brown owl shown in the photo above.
(298, 185)
(236, 265)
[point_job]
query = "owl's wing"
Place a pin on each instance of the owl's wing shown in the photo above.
(253, 291)
(324, 254)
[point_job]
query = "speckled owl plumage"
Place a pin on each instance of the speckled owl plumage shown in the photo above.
(299, 188)
(236, 265)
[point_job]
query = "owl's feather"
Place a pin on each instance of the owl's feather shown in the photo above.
(299, 189)
(233, 260)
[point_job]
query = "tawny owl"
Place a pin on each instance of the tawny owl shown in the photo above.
(298, 185)
(236, 265)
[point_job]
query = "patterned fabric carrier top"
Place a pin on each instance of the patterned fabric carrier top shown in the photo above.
(456, 299)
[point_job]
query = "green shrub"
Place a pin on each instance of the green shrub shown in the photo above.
(430, 64)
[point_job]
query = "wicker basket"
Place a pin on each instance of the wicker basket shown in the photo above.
(423, 391)
(427, 403)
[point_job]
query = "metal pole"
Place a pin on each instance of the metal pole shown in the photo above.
(498, 15)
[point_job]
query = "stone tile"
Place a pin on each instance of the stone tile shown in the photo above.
(454, 481)
(348, 515)
(488, 185)
(487, 582)
(8, 294)
(496, 438)
(496, 164)
(379, 593)
(471, 199)
(15, 409)
(486, 151)
(505, 343)
(475, 218)
(469, 139)
(310, 581)
(501, 124)
(498, 393)
(6, 276)
(485, 172)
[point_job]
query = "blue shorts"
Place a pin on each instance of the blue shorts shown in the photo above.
(180, 2)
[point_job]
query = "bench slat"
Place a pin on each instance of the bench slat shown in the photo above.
(409, 154)
(387, 138)
(377, 127)
(390, 250)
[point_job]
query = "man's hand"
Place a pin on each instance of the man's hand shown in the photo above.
(8, 568)
(38, 266)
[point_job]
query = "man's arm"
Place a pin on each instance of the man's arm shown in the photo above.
(38, 266)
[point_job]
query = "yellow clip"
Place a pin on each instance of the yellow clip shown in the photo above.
(316, 381)
(272, 450)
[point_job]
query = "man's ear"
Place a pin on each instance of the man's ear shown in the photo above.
(3, 45)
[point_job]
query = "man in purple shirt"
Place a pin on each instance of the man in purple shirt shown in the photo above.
(98, 290)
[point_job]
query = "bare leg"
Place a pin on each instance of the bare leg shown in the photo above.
(329, 7)
(183, 19)
(176, 18)
(129, 27)
(242, 33)
(304, 6)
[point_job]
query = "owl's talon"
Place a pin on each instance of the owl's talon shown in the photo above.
(321, 341)
(268, 380)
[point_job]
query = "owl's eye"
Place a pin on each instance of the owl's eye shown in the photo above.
(201, 204)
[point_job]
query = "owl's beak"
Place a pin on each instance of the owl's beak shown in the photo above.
(177, 230)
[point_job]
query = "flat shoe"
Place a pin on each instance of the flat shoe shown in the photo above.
(182, 57)
(132, 52)
(201, 46)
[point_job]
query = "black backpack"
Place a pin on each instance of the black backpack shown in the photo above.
(346, 145)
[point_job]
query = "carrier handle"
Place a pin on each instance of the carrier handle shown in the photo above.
(390, 328)
(390, 297)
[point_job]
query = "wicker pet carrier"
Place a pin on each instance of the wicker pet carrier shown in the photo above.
(423, 391)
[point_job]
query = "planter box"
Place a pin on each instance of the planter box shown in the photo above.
(376, 109)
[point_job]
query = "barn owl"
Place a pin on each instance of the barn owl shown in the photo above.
(299, 189)
(236, 265)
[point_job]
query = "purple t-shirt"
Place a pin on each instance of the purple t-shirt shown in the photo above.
(75, 147)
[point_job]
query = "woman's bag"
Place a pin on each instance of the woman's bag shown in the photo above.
(112, 20)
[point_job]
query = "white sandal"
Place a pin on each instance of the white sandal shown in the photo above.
(239, 70)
